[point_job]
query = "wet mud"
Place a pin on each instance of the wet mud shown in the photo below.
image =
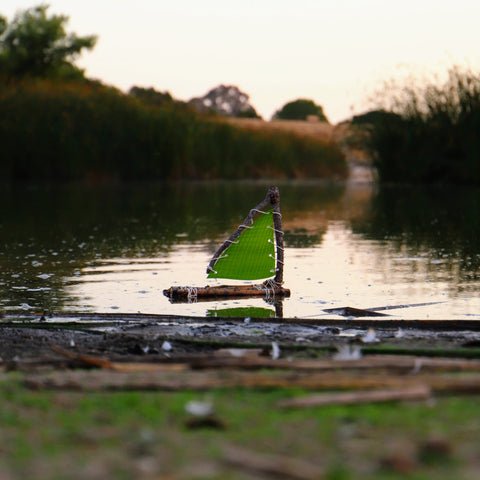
(36, 338)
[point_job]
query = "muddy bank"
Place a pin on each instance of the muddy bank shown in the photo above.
(137, 337)
(171, 393)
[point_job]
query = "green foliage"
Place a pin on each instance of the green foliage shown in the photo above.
(37, 45)
(374, 117)
(3, 24)
(66, 131)
(434, 136)
(250, 113)
(150, 96)
(299, 110)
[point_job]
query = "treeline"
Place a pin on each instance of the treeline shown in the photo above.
(432, 134)
(57, 131)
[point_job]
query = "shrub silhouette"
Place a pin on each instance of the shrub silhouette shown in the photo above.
(434, 137)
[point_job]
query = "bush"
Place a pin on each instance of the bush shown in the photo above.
(299, 110)
(434, 137)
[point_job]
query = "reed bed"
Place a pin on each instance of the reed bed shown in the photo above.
(53, 131)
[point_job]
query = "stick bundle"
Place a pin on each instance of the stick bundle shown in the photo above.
(194, 293)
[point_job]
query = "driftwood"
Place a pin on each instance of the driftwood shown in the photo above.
(126, 367)
(416, 392)
(250, 359)
(171, 380)
(394, 364)
(226, 291)
(386, 379)
(373, 311)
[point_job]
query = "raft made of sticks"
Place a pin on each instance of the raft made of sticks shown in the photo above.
(268, 290)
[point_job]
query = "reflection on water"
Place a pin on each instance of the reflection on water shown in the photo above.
(245, 312)
(114, 249)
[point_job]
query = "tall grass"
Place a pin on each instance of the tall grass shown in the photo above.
(434, 136)
(60, 131)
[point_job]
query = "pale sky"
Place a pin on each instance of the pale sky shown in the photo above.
(335, 52)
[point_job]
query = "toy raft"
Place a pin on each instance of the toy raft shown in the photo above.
(253, 252)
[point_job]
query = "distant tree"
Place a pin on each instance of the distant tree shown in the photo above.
(299, 110)
(225, 100)
(150, 95)
(154, 98)
(249, 113)
(3, 25)
(36, 45)
(374, 117)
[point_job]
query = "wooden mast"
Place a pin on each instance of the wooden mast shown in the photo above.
(277, 225)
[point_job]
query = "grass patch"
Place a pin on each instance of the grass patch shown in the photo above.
(132, 435)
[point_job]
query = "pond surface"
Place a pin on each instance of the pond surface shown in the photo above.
(115, 249)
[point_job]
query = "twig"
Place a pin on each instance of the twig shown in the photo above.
(86, 359)
(277, 225)
(223, 291)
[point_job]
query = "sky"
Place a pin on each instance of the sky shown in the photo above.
(337, 53)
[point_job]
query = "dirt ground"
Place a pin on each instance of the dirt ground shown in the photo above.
(152, 336)
(149, 396)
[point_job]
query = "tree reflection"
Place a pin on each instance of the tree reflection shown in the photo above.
(441, 221)
(51, 233)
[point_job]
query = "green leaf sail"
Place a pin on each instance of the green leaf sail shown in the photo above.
(252, 255)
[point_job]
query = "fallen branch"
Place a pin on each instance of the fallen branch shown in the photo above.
(403, 364)
(459, 385)
(225, 291)
(86, 359)
(120, 366)
(420, 392)
(173, 378)
(271, 466)
(249, 359)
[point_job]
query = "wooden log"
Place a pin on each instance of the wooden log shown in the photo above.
(195, 293)
(126, 367)
(250, 359)
(392, 364)
(112, 380)
(173, 380)
(90, 360)
(415, 392)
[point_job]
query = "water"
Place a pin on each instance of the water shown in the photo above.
(115, 249)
